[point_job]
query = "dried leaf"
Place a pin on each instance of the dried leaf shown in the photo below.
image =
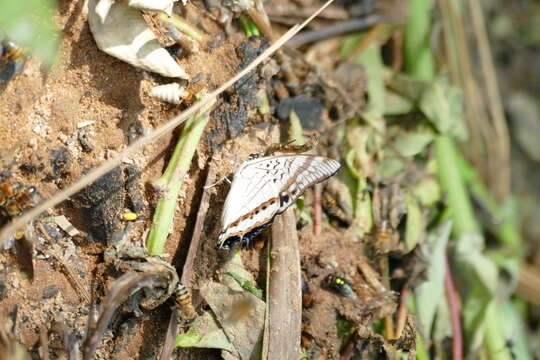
(121, 31)
(245, 333)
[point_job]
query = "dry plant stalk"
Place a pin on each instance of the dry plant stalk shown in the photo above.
(285, 292)
(172, 330)
(166, 128)
(187, 272)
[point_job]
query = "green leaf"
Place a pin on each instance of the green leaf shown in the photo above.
(412, 143)
(371, 59)
(514, 330)
(345, 330)
(205, 332)
(415, 224)
(442, 104)
(390, 167)
(188, 339)
(442, 326)
(396, 104)
(246, 284)
(30, 23)
(430, 293)
(480, 269)
(482, 282)
(428, 191)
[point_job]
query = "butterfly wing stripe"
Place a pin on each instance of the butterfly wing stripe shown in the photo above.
(310, 173)
(260, 216)
(245, 196)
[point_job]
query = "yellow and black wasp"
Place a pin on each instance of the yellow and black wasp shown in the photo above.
(12, 60)
(183, 298)
(15, 197)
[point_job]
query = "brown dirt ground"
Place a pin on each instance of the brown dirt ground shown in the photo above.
(40, 111)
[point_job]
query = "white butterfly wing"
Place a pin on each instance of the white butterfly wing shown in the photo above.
(263, 187)
(249, 200)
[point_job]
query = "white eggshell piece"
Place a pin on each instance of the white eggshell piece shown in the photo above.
(153, 5)
(125, 35)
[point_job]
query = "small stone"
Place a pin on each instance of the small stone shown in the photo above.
(49, 291)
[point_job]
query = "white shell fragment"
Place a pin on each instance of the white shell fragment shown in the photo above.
(65, 225)
(265, 187)
(171, 93)
(153, 5)
(121, 31)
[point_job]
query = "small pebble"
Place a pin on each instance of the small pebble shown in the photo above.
(49, 291)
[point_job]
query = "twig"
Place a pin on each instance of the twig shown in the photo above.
(266, 333)
(370, 275)
(397, 50)
(349, 348)
(495, 107)
(289, 9)
(172, 331)
(372, 35)
(454, 308)
(259, 20)
(164, 129)
(317, 210)
(285, 303)
(187, 271)
(401, 318)
(528, 283)
(338, 28)
(385, 274)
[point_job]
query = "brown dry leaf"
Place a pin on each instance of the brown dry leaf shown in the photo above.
(243, 328)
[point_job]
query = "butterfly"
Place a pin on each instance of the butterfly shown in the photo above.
(264, 187)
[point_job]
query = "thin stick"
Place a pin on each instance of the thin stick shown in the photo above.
(454, 308)
(338, 28)
(401, 317)
(496, 110)
(159, 132)
(317, 210)
(172, 331)
(187, 271)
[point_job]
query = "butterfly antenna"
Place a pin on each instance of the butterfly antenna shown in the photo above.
(224, 178)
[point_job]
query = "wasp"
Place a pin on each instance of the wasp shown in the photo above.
(183, 298)
(340, 285)
(387, 210)
(333, 210)
(12, 60)
(15, 198)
